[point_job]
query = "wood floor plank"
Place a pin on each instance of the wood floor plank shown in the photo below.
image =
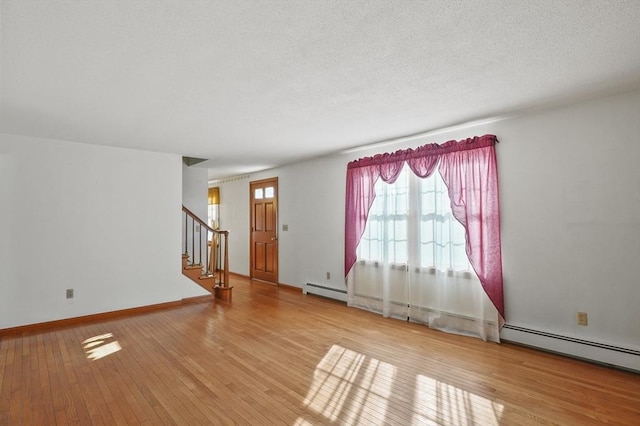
(276, 356)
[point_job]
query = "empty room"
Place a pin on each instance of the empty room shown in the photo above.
(320, 212)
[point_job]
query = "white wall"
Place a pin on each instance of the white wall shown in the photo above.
(570, 203)
(194, 190)
(103, 221)
(234, 217)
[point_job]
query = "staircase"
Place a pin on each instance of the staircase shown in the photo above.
(207, 262)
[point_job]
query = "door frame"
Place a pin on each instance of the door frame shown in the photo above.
(274, 182)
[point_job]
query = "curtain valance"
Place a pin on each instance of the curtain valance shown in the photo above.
(428, 150)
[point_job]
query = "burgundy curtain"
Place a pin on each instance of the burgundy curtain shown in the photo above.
(469, 170)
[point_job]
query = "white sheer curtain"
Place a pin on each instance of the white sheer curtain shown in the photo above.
(412, 262)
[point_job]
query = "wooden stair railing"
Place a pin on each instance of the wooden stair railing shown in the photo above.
(204, 269)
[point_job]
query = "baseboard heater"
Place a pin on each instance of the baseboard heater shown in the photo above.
(616, 356)
(324, 291)
(573, 340)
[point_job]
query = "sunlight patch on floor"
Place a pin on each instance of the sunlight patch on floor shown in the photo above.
(348, 384)
(350, 388)
(97, 347)
(439, 402)
(302, 422)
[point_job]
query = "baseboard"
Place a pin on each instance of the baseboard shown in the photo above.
(31, 328)
(289, 287)
(325, 291)
(281, 285)
(197, 299)
(610, 355)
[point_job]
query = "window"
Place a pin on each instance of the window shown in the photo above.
(269, 192)
(414, 207)
(213, 210)
(413, 250)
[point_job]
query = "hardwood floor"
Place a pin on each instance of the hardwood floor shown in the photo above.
(275, 356)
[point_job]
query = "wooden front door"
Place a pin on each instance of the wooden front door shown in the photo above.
(264, 230)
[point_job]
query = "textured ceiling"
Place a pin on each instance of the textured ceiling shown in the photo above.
(255, 84)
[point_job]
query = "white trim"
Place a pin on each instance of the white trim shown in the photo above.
(577, 348)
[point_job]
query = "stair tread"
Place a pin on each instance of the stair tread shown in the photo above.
(193, 267)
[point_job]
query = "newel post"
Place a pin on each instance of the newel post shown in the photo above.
(226, 258)
(223, 291)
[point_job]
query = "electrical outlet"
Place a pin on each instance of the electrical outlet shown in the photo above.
(69, 293)
(328, 275)
(582, 318)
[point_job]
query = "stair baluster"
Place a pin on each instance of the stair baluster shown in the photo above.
(208, 274)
